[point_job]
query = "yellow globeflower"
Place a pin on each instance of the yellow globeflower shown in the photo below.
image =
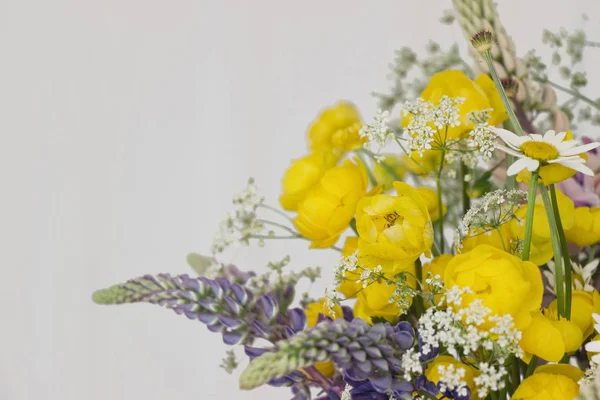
(586, 229)
(326, 211)
(393, 230)
(350, 287)
(583, 305)
(373, 301)
(433, 372)
(499, 238)
(312, 312)
(456, 84)
(550, 338)
(302, 175)
(431, 202)
(336, 129)
(422, 165)
(541, 244)
(505, 283)
(550, 382)
(388, 171)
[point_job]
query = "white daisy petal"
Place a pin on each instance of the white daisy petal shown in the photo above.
(579, 149)
(532, 164)
(578, 166)
(596, 358)
(537, 137)
(562, 146)
(509, 150)
(520, 165)
(550, 136)
(559, 160)
(593, 346)
(508, 137)
(560, 136)
(594, 315)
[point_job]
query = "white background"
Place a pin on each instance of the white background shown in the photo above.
(126, 127)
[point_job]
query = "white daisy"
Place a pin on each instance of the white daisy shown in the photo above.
(534, 150)
(594, 347)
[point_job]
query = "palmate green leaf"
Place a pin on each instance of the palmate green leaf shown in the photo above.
(199, 263)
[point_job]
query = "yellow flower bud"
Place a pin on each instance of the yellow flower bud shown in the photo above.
(550, 338)
(583, 305)
(586, 229)
(422, 165)
(541, 244)
(326, 211)
(550, 382)
(302, 175)
(431, 202)
(393, 230)
(504, 283)
(336, 130)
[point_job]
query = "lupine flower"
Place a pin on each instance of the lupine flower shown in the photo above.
(363, 352)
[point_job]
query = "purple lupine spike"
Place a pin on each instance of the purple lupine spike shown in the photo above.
(241, 295)
(269, 306)
(297, 319)
(230, 322)
(262, 329)
(324, 342)
(347, 313)
(254, 352)
(233, 305)
(232, 337)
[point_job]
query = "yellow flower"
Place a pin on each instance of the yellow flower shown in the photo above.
(541, 244)
(500, 240)
(551, 173)
(393, 230)
(433, 374)
(373, 301)
(505, 283)
(422, 165)
(388, 171)
(336, 129)
(302, 175)
(431, 202)
(583, 304)
(326, 211)
(586, 229)
(550, 338)
(350, 287)
(550, 382)
(437, 266)
(312, 312)
(478, 95)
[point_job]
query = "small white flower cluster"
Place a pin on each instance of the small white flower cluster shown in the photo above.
(482, 137)
(494, 209)
(424, 116)
(239, 226)
(367, 276)
(403, 293)
(589, 385)
(490, 379)
(346, 264)
(346, 393)
(586, 274)
(378, 132)
(452, 379)
(465, 331)
(275, 279)
(411, 364)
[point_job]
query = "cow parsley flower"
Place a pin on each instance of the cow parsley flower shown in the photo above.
(534, 150)
(452, 380)
(378, 132)
(411, 364)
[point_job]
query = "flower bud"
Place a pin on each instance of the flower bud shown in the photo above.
(482, 41)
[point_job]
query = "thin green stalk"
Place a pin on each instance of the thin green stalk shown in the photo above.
(515, 374)
(466, 200)
(419, 306)
(558, 265)
(531, 367)
(388, 168)
(529, 217)
(572, 92)
(364, 162)
(565, 253)
(591, 254)
(511, 114)
(438, 186)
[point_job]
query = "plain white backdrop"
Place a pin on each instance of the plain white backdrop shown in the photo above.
(126, 127)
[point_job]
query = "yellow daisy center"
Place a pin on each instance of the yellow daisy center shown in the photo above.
(540, 151)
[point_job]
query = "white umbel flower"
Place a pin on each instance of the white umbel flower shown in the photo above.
(534, 150)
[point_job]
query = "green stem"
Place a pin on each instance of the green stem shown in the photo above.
(515, 374)
(565, 253)
(419, 305)
(529, 217)
(438, 186)
(558, 269)
(388, 168)
(364, 162)
(511, 113)
(572, 92)
(531, 366)
(591, 254)
(466, 200)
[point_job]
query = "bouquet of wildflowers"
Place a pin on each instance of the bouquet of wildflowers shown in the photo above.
(467, 229)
